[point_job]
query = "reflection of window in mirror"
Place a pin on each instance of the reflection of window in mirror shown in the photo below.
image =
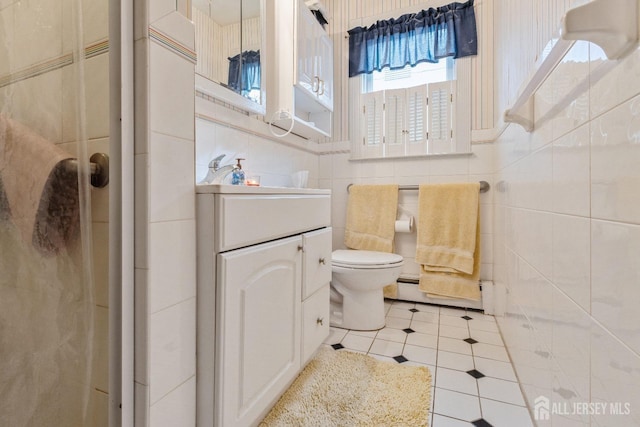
(228, 43)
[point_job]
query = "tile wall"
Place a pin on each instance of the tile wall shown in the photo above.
(165, 216)
(567, 239)
(337, 172)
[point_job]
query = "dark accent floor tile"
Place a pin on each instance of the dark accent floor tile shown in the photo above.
(481, 423)
(408, 330)
(475, 373)
(470, 341)
(467, 318)
(414, 310)
(337, 346)
(400, 359)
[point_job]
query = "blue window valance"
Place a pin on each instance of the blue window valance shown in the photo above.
(425, 36)
(244, 71)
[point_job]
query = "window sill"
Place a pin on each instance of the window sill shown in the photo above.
(410, 157)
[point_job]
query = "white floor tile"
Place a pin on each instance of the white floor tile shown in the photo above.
(454, 345)
(402, 313)
(383, 358)
(397, 323)
(403, 304)
(452, 311)
(490, 352)
(422, 340)
(425, 316)
(453, 320)
(442, 421)
(487, 337)
(456, 381)
(495, 368)
(458, 405)
(386, 348)
(420, 354)
(370, 334)
(424, 327)
(502, 414)
(427, 308)
(502, 390)
(335, 335)
(390, 334)
(357, 342)
(461, 362)
(454, 332)
(475, 325)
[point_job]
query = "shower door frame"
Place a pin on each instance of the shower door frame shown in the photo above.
(121, 215)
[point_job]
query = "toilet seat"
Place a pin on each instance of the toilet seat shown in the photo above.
(365, 259)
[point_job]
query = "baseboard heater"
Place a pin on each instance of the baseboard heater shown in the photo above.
(408, 291)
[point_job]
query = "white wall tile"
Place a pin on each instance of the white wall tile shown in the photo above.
(615, 156)
(615, 250)
(160, 8)
(615, 378)
(172, 275)
(171, 178)
(572, 258)
(172, 347)
(176, 408)
(571, 173)
(171, 93)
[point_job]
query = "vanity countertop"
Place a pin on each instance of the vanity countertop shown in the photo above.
(246, 189)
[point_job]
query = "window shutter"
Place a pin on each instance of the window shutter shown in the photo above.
(394, 121)
(440, 114)
(416, 121)
(371, 123)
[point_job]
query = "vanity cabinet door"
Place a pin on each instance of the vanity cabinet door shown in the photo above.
(258, 335)
(316, 268)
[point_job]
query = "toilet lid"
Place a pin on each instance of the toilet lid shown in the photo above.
(346, 257)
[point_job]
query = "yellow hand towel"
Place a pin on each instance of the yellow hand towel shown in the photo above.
(448, 245)
(371, 217)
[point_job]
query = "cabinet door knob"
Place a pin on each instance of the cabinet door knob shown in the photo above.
(321, 261)
(315, 86)
(320, 321)
(320, 84)
(300, 248)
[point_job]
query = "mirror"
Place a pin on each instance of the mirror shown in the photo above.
(229, 40)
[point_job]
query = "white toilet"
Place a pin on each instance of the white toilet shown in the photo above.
(357, 280)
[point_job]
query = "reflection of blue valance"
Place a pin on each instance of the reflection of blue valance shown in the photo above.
(244, 71)
(425, 36)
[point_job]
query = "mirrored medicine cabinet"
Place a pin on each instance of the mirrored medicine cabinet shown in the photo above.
(230, 48)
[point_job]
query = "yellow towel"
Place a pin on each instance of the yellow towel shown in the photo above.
(371, 219)
(38, 196)
(448, 245)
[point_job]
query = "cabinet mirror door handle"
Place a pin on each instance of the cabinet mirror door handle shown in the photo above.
(315, 86)
(320, 85)
(320, 321)
(322, 261)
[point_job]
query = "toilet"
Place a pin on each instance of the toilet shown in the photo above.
(357, 280)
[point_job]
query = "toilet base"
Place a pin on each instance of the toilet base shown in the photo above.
(363, 312)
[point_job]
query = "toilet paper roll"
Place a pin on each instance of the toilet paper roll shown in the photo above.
(404, 225)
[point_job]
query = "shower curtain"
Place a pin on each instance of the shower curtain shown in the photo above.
(47, 303)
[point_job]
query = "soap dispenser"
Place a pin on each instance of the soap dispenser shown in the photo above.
(237, 176)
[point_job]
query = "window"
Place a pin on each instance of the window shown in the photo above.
(413, 111)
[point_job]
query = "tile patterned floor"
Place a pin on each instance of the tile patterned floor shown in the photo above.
(473, 381)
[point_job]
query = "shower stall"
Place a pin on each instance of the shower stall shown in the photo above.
(60, 314)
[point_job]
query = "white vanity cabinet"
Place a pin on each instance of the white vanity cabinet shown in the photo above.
(263, 296)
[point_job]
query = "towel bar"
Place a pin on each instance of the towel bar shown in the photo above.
(99, 169)
(484, 187)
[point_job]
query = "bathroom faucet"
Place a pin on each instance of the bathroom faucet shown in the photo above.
(217, 174)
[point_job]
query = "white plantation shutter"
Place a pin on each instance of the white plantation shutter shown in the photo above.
(416, 120)
(394, 121)
(371, 124)
(440, 115)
